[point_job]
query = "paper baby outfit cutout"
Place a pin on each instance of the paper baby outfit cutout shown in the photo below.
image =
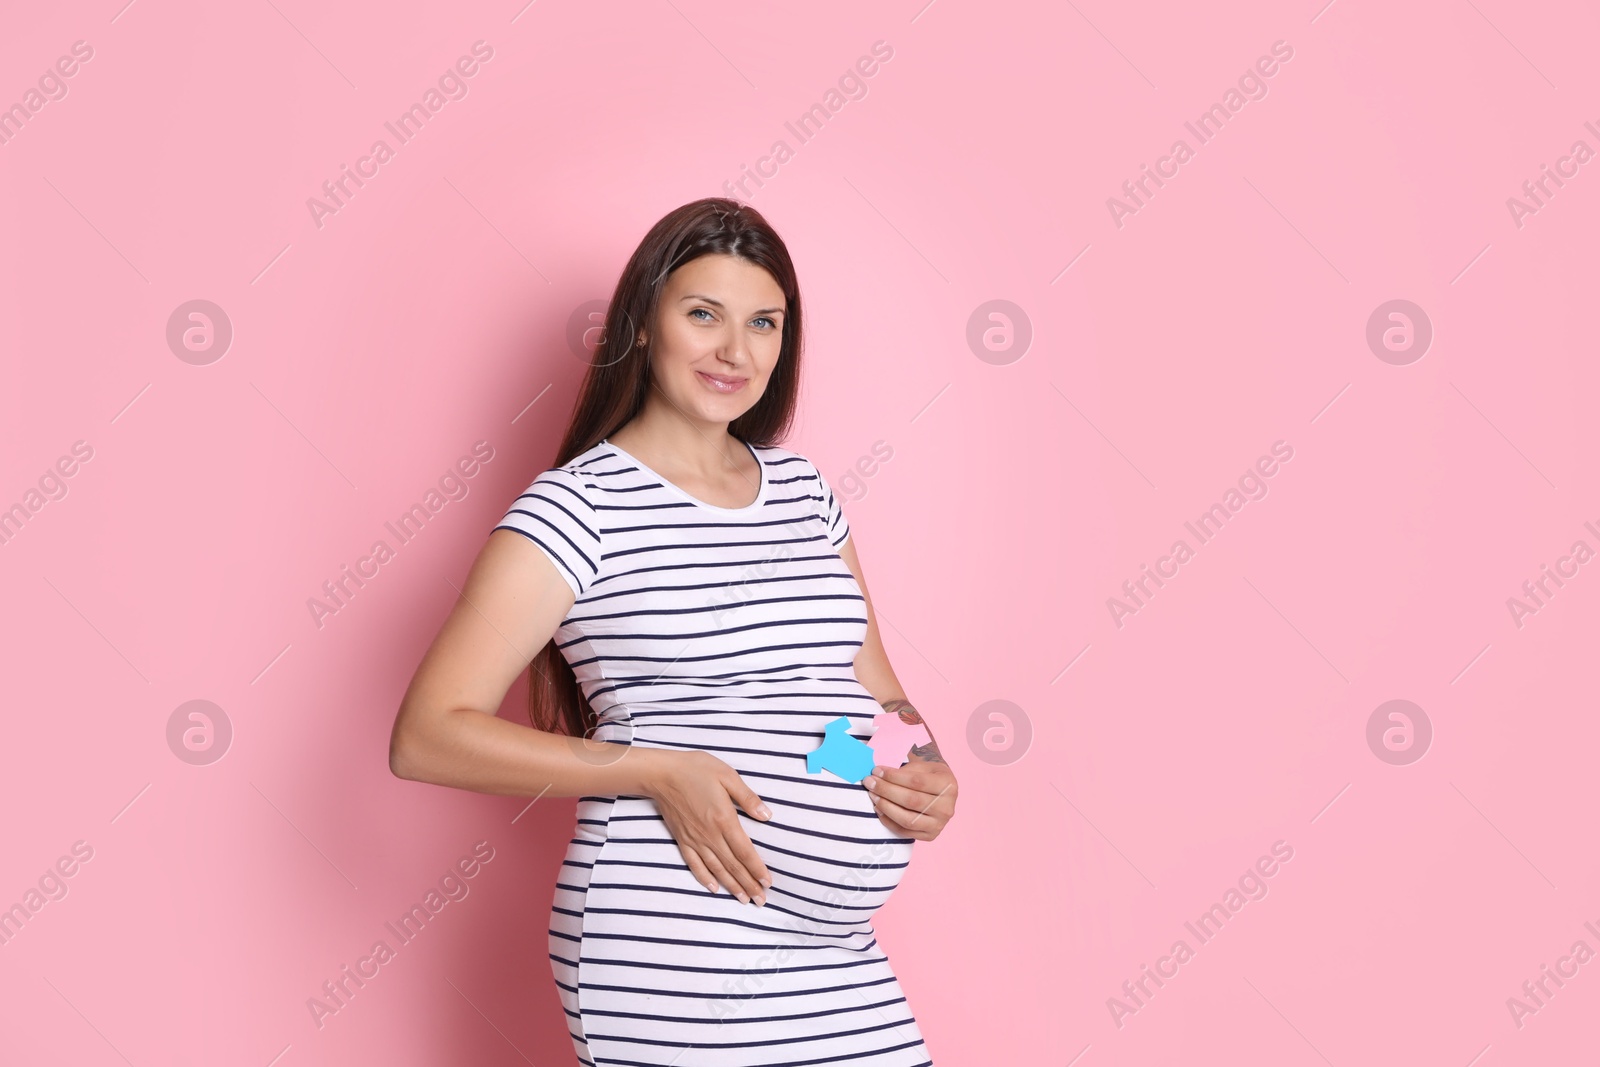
(852, 759)
(840, 753)
(893, 737)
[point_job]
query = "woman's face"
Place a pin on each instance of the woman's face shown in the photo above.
(719, 329)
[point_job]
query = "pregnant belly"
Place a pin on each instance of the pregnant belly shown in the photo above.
(826, 837)
(833, 864)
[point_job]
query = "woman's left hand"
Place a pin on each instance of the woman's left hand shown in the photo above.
(915, 800)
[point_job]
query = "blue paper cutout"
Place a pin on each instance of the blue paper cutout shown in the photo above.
(845, 756)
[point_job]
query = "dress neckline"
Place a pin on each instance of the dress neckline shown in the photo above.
(761, 491)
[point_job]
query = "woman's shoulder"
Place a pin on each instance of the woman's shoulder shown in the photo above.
(583, 469)
(785, 461)
(570, 486)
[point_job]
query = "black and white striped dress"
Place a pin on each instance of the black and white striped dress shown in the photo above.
(732, 631)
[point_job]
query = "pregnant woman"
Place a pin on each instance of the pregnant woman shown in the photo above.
(695, 616)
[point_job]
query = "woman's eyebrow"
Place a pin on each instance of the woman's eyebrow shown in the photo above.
(713, 300)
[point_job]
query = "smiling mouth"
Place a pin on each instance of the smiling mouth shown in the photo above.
(722, 384)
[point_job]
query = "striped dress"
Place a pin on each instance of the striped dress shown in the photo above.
(732, 631)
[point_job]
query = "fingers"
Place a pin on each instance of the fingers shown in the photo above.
(733, 874)
(918, 774)
(919, 813)
(739, 858)
(742, 856)
(746, 798)
(905, 820)
(692, 859)
(710, 869)
(919, 796)
(701, 809)
(723, 854)
(749, 860)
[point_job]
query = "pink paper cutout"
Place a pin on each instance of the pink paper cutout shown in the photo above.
(892, 738)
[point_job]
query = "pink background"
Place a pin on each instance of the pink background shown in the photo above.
(1167, 355)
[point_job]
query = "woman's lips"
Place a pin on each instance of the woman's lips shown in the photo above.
(722, 385)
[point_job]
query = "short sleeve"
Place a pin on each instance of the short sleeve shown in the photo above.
(555, 514)
(831, 512)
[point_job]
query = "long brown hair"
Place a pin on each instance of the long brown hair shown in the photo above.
(618, 381)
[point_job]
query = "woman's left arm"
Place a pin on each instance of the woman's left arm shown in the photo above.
(918, 799)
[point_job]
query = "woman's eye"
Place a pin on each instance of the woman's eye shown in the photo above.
(770, 323)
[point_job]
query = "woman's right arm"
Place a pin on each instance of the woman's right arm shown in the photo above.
(447, 732)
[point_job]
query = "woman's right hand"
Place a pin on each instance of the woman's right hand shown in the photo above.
(695, 792)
